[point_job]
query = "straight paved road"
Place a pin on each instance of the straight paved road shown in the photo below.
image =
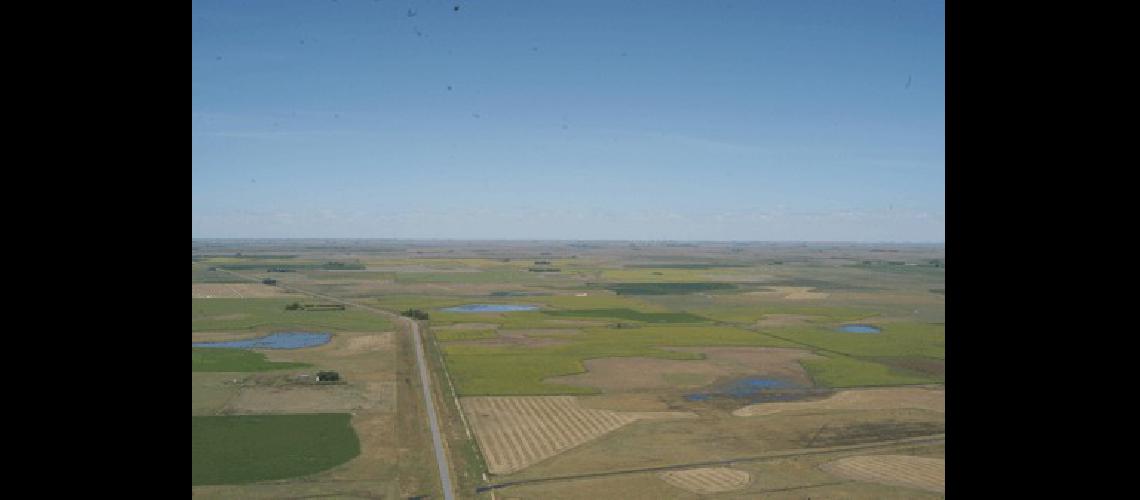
(425, 381)
(440, 458)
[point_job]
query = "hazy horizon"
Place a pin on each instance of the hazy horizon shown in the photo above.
(586, 121)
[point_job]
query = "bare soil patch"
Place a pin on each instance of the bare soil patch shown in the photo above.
(858, 399)
(222, 336)
(707, 480)
(898, 470)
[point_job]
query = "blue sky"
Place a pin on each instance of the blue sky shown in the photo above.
(733, 120)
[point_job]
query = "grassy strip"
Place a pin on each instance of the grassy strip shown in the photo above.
(630, 314)
(667, 288)
(235, 360)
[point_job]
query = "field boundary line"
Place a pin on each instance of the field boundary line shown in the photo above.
(918, 440)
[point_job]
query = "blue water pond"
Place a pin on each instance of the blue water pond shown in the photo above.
(482, 308)
(751, 388)
(860, 329)
(284, 340)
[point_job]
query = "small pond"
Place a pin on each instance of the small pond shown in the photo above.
(284, 340)
(482, 308)
(860, 329)
(754, 390)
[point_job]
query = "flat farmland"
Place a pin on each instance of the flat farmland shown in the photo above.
(647, 371)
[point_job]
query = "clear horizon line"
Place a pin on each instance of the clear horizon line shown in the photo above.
(360, 238)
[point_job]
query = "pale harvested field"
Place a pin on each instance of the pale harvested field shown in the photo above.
(222, 336)
(858, 399)
(707, 480)
(613, 375)
(366, 343)
(236, 291)
(800, 293)
(516, 432)
(313, 399)
(898, 470)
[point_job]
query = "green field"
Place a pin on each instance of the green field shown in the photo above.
(249, 448)
(629, 314)
(215, 359)
(667, 288)
(896, 339)
(261, 314)
(494, 370)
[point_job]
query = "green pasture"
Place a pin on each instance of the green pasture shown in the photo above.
(248, 448)
(896, 340)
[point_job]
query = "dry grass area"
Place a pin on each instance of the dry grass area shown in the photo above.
(613, 375)
(516, 432)
(222, 336)
(897, 470)
(313, 399)
(783, 320)
(236, 291)
(858, 399)
(365, 343)
(707, 480)
(533, 332)
(468, 326)
(800, 293)
(367, 362)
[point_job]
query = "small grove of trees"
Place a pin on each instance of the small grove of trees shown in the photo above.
(328, 376)
(296, 306)
(415, 314)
